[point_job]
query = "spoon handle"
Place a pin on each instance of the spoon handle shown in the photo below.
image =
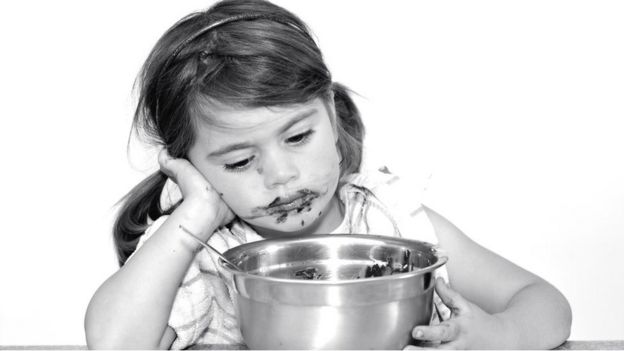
(210, 248)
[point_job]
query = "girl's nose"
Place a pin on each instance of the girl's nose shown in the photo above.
(279, 171)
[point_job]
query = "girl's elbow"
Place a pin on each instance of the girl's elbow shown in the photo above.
(98, 340)
(567, 319)
(563, 322)
(104, 332)
(110, 342)
(562, 333)
(97, 335)
(101, 331)
(95, 342)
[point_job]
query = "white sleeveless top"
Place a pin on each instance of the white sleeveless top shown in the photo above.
(375, 202)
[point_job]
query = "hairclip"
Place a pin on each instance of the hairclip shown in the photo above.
(204, 30)
(243, 17)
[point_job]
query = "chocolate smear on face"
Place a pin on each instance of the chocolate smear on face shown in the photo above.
(282, 217)
(281, 207)
(274, 202)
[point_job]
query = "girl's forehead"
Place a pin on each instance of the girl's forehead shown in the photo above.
(220, 116)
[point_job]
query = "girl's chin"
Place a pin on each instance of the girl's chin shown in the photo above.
(316, 220)
(293, 225)
(307, 219)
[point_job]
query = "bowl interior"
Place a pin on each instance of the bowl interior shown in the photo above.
(333, 257)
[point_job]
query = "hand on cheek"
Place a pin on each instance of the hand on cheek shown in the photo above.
(194, 186)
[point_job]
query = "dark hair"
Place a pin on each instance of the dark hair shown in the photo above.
(268, 60)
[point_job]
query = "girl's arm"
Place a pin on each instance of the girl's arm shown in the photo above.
(519, 309)
(131, 309)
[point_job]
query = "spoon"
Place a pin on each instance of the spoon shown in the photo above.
(210, 248)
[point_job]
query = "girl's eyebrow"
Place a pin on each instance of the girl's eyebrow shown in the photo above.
(297, 118)
(229, 148)
(291, 122)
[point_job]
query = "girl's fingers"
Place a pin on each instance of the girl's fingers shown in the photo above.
(165, 161)
(174, 168)
(451, 298)
(184, 174)
(447, 331)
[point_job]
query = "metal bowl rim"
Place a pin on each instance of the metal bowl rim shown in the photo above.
(441, 255)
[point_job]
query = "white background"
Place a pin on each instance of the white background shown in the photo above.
(513, 109)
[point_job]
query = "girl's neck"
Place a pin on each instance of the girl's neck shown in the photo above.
(329, 220)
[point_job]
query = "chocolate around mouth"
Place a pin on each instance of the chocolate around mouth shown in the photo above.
(279, 201)
(282, 207)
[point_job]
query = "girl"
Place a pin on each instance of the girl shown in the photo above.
(258, 142)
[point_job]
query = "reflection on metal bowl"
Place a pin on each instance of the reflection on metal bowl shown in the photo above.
(313, 292)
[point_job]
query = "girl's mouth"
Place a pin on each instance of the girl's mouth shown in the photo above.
(281, 207)
(300, 199)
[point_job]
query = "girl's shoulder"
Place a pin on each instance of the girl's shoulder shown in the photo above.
(389, 188)
(397, 198)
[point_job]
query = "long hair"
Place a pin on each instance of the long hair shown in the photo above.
(269, 59)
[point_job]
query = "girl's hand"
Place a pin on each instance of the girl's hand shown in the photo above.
(195, 188)
(468, 328)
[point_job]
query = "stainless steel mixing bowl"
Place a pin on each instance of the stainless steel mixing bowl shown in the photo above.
(311, 292)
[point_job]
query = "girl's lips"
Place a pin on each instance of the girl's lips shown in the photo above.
(290, 203)
(284, 205)
(279, 201)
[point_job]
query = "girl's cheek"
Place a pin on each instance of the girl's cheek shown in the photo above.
(325, 156)
(230, 189)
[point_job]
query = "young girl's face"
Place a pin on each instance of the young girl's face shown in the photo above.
(277, 167)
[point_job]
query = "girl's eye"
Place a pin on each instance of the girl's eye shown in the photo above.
(300, 139)
(238, 166)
